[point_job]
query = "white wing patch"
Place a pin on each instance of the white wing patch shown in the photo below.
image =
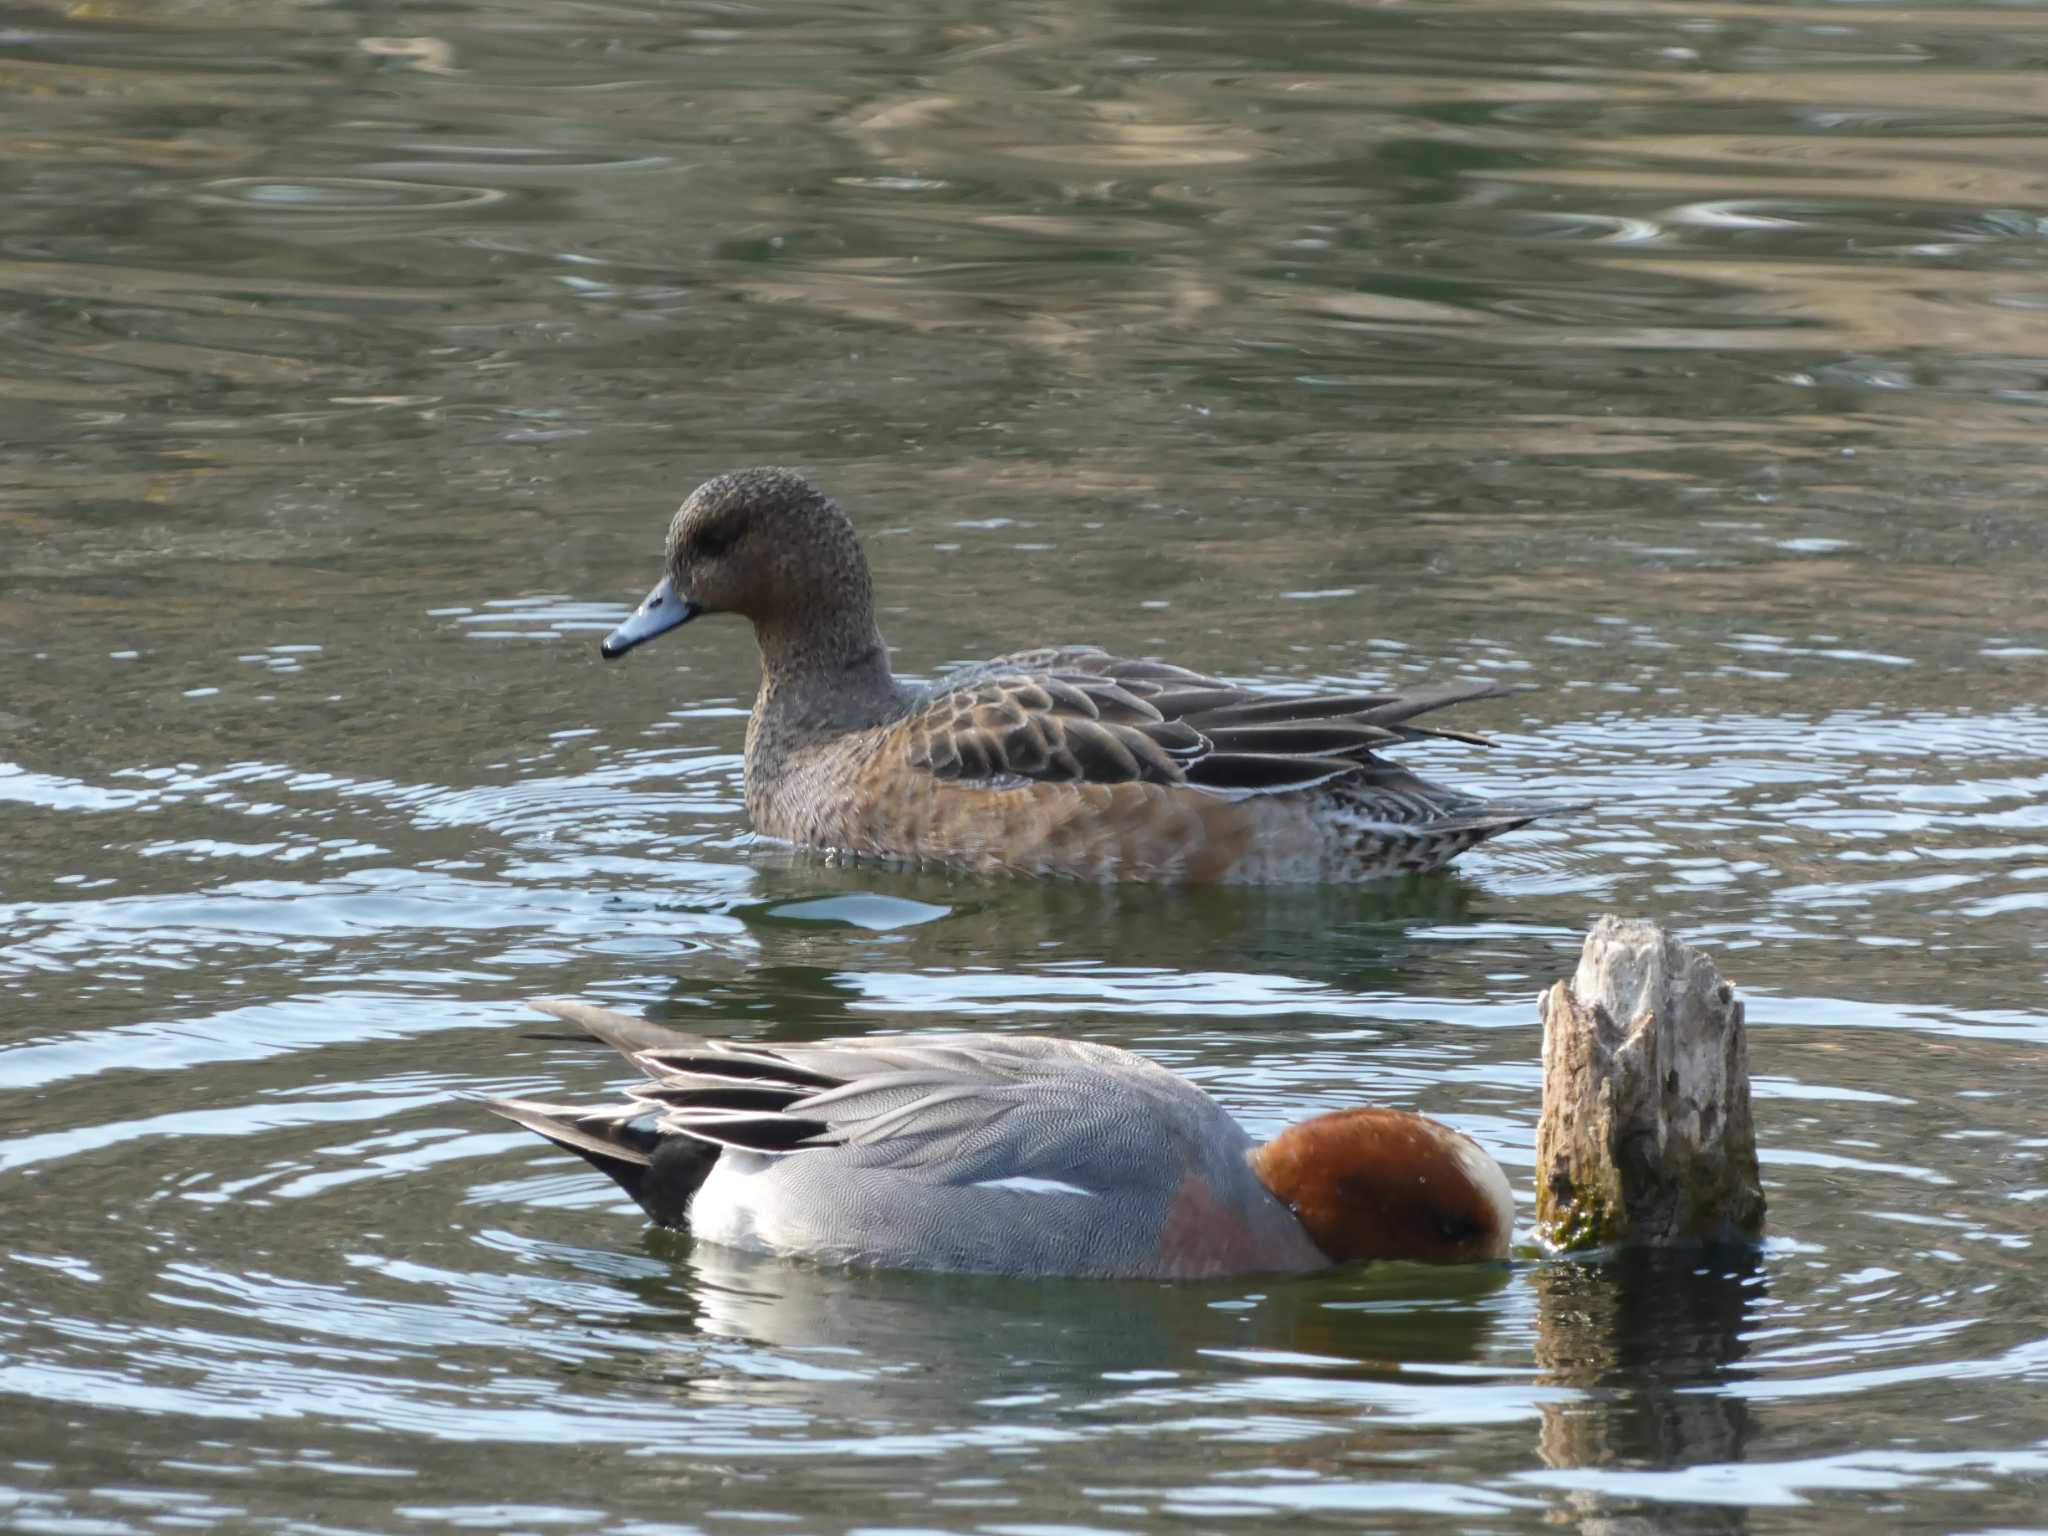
(1026, 1182)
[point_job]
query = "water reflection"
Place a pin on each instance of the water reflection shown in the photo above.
(1053, 1359)
(1647, 1339)
(1363, 1325)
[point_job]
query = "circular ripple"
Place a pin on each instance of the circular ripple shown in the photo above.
(350, 195)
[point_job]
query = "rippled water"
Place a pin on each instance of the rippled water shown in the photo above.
(1688, 360)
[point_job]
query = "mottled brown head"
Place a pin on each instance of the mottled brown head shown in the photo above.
(769, 545)
(1381, 1184)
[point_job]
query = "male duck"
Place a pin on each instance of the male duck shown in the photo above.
(1011, 1154)
(1060, 761)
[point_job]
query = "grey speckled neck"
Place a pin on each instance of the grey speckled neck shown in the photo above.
(771, 547)
(809, 697)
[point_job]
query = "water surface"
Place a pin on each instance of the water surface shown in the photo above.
(1687, 360)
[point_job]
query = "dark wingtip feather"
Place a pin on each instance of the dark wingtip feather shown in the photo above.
(750, 1066)
(1386, 711)
(750, 1098)
(1307, 738)
(1439, 733)
(1253, 772)
(753, 1132)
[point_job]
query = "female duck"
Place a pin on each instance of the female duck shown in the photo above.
(1014, 1155)
(1060, 761)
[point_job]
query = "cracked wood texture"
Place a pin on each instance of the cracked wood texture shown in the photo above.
(1646, 1135)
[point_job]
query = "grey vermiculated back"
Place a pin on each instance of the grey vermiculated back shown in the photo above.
(951, 1151)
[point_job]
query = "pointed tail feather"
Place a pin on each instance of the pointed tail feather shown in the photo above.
(1445, 839)
(1506, 815)
(660, 1173)
(621, 1031)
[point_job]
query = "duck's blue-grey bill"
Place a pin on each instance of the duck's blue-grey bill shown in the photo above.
(661, 610)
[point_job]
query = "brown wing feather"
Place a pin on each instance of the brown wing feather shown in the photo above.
(1073, 715)
(1046, 730)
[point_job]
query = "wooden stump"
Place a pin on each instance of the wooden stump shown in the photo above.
(1646, 1134)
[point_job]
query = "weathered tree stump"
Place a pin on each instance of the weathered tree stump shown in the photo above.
(1646, 1134)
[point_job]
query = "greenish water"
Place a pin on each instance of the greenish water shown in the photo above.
(1687, 360)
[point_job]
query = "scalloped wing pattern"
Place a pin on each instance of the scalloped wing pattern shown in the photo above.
(1075, 715)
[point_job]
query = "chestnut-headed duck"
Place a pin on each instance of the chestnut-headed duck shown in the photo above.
(1058, 761)
(1011, 1154)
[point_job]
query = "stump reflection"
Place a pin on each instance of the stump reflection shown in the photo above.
(1645, 1337)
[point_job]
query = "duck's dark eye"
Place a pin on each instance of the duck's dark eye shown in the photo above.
(1457, 1228)
(710, 542)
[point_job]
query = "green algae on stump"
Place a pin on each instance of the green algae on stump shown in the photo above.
(1646, 1135)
